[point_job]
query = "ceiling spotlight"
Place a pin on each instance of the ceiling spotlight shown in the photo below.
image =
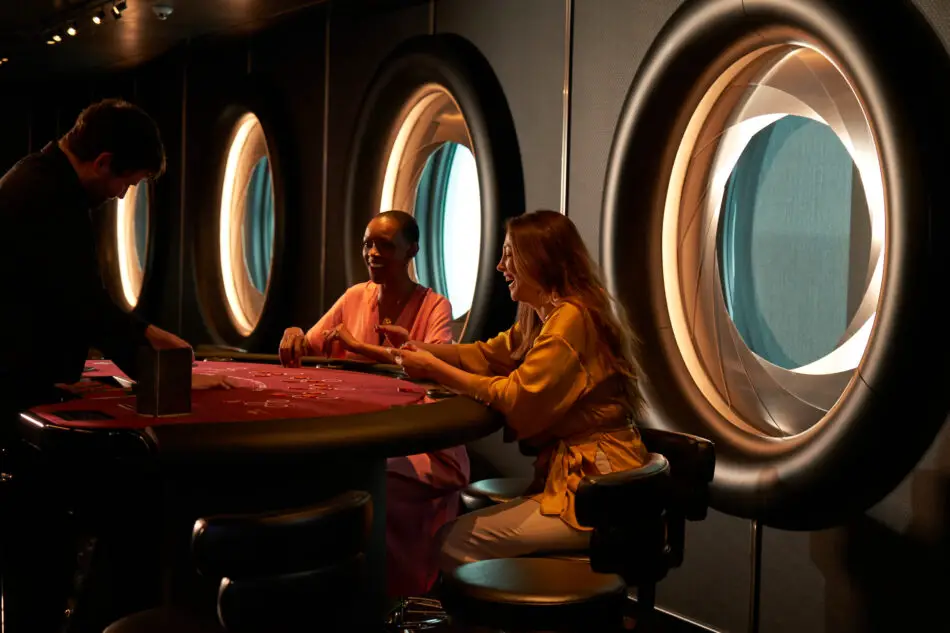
(4, 60)
(71, 29)
(99, 17)
(51, 42)
(57, 37)
(162, 11)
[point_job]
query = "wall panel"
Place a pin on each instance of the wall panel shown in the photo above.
(524, 42)
(611, 38)
(15, 131)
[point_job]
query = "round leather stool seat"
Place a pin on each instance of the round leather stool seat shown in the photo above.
(161, 620)
(530, 594)
(492, 492)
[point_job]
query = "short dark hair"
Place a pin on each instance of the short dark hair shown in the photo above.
(124, 130)
(407, 224)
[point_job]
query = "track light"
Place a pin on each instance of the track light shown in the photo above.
(71, 29)
(57, 37)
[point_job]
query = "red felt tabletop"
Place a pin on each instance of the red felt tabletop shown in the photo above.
(263, 392)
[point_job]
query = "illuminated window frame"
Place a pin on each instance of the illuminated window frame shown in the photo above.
(245, 303)
(131, 271)
(754, 92)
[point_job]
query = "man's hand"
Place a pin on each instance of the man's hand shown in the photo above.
(212, 381)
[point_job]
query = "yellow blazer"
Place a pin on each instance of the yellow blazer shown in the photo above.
(562, 400)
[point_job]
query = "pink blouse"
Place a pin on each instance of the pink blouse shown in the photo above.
(427, 316)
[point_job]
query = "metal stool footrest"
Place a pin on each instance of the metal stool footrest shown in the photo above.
(417, 614)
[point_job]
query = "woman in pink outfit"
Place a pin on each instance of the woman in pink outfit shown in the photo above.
(422, 491)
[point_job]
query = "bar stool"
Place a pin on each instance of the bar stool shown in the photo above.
(279, 571)
(489, 492)
(638, 519)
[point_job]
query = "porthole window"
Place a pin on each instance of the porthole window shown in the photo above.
(773, 180)
(775, 238)
(131, 242)
(435, 138)
(246, 224)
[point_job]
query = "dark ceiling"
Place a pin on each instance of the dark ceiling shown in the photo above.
(135, 38)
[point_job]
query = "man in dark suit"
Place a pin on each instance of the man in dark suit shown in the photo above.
(55, 308)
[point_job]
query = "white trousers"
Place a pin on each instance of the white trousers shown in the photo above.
(509, 530)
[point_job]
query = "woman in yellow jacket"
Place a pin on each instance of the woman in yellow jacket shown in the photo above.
(566, 380)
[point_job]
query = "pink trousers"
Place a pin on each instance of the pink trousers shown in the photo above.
(422, 495)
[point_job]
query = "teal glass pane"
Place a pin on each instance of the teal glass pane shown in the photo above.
(427, 262)
(792, 250)
(461, 231)
(141, 223)
(258, 231)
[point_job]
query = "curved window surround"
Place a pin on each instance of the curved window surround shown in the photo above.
(431, 172)
(132, 241)
(246, 224)
(748, 194)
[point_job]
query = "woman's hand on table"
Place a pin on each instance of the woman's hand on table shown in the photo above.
(212, 381)
(293, 347)
(395, 334)
(341, 335)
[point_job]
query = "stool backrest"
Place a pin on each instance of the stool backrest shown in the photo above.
(282, 542)
(639, 516)
(288, 570)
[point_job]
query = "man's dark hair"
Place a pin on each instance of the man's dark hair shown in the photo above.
(407, 224)
(121, 129)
